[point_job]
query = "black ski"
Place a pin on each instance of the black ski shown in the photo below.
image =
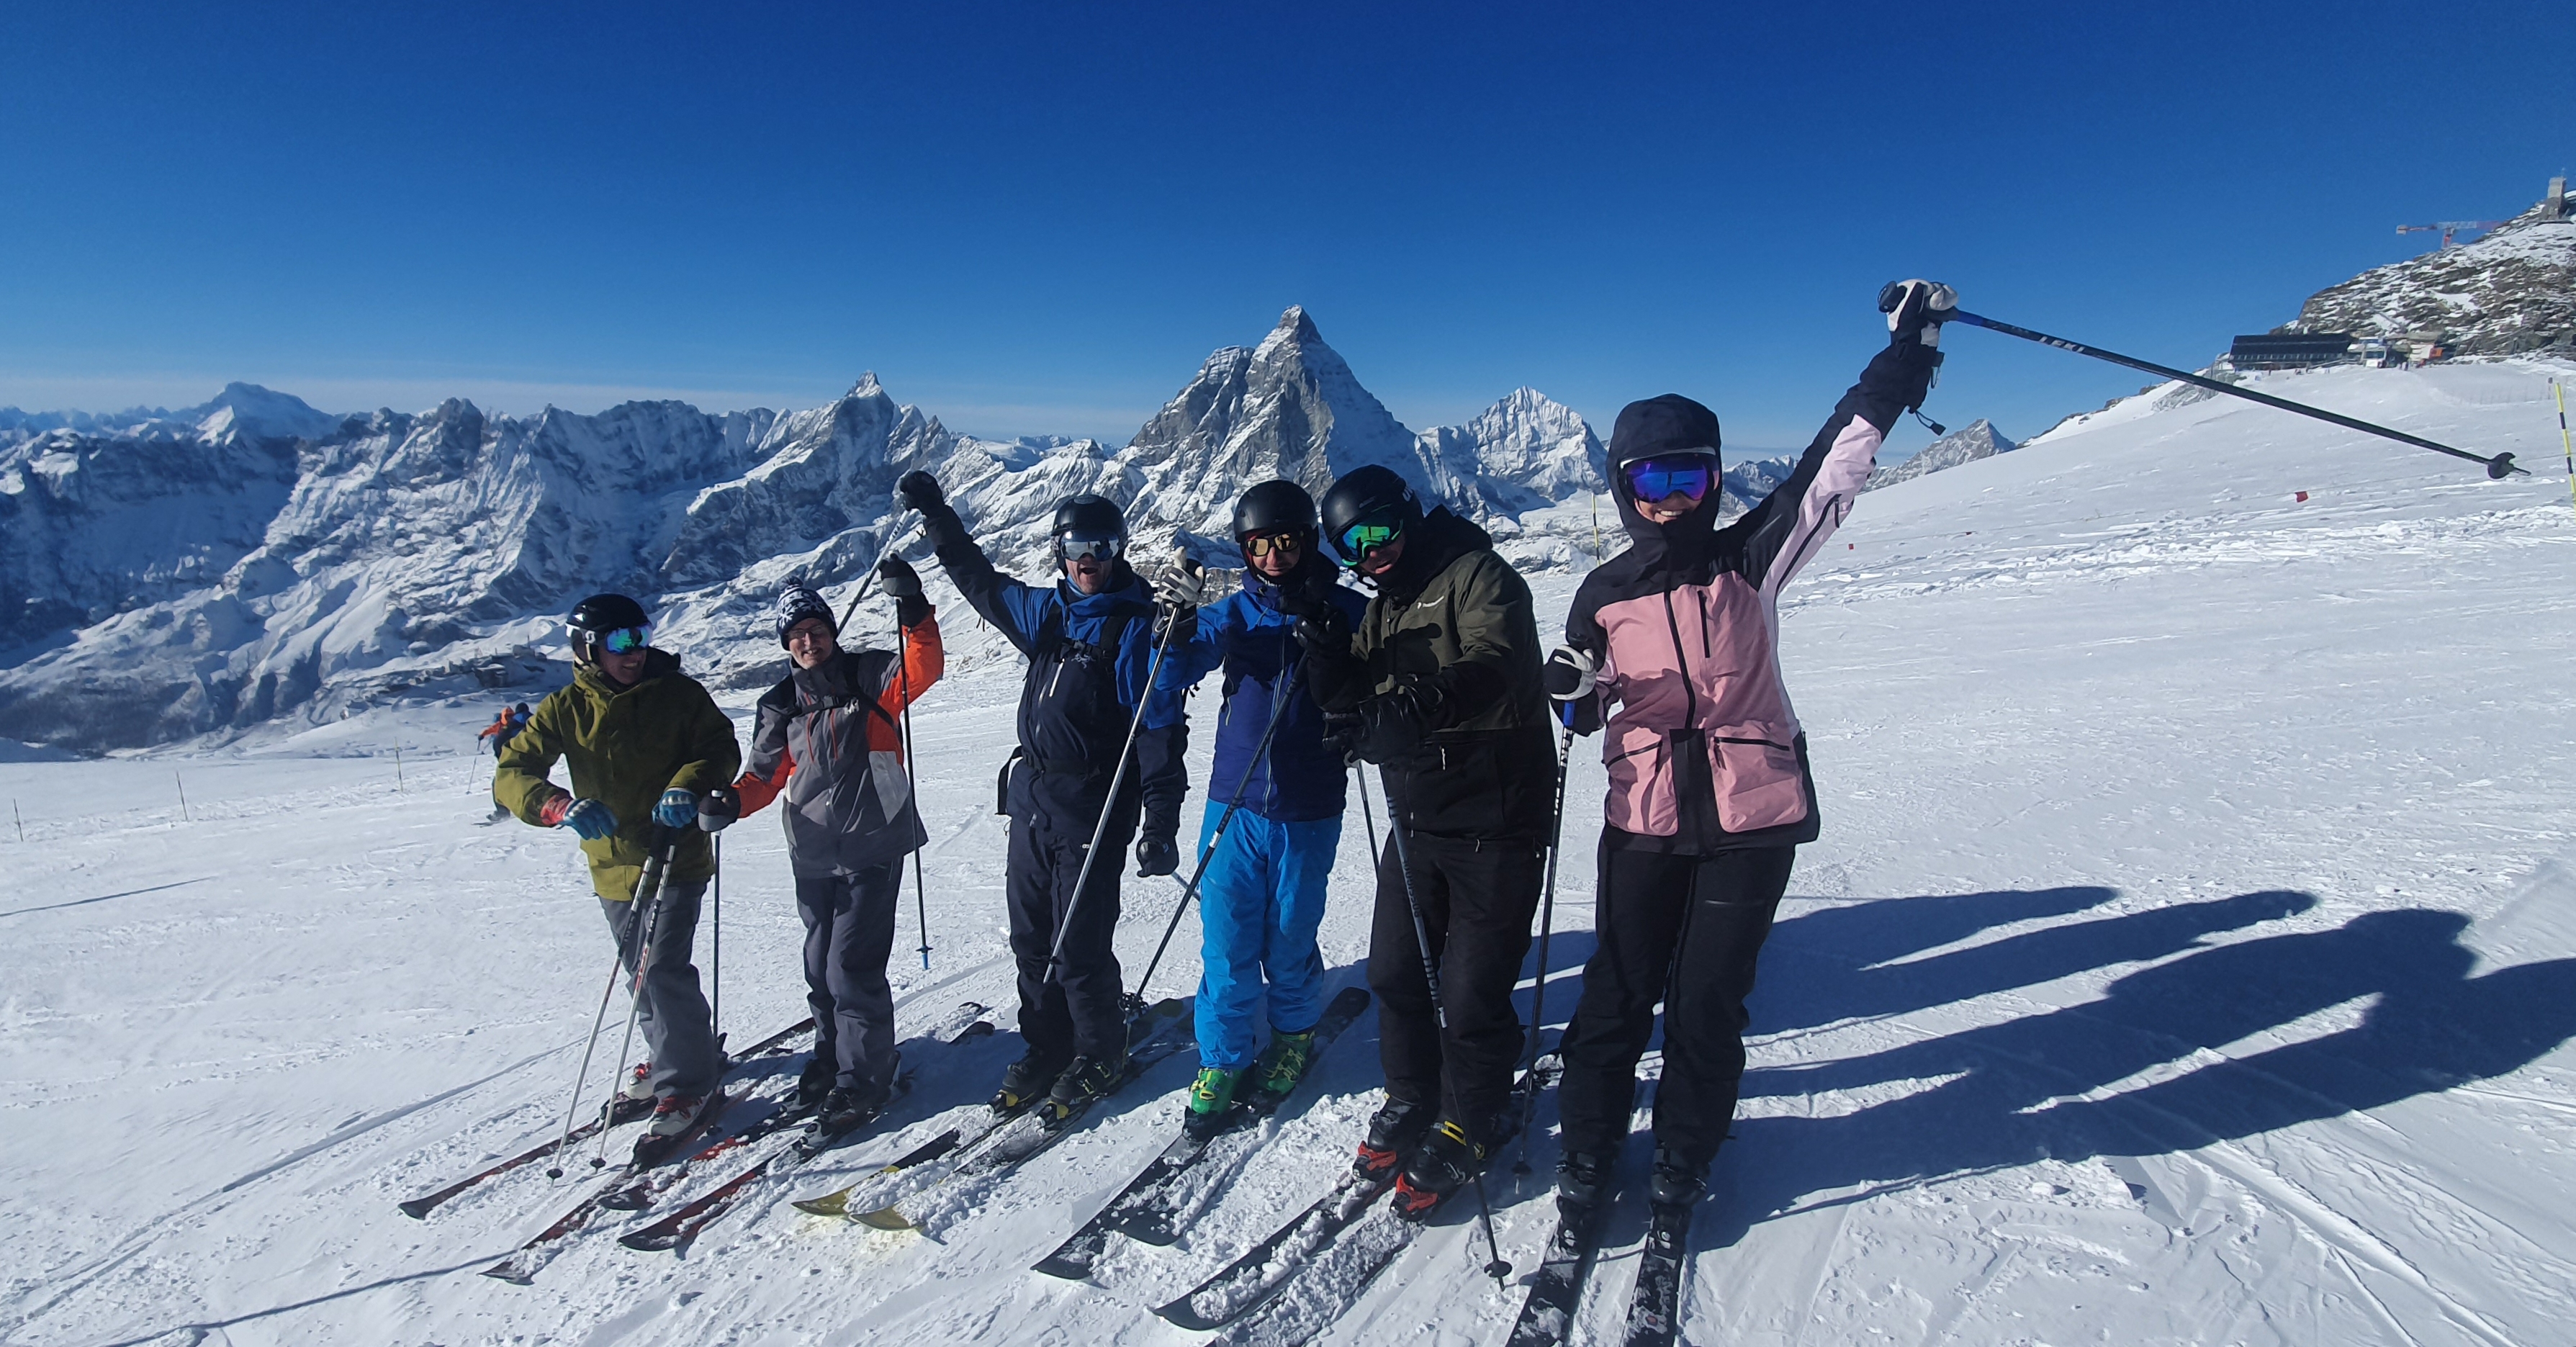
(1295, 1284)
(1547, 1312)
(1024, 1136)
(631, 1189)
(624, 1110)
(1655, 1306)
(1171, 1190)
(895, 1179)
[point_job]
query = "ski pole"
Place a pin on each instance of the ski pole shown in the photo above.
(572, 1106)
(2496, 466)
(1190, 887)
(1546, 926)
(2563, 443)
(1497, 1269)
(912, 790)
(1117, 778)
(715, 1008)
(870, 578)
(648, 920)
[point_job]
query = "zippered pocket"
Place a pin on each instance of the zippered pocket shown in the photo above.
(1759, 781)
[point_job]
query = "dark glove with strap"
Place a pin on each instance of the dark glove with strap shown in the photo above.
(718, 808)
(1915, 311)
(1393, 723)
(919, 492)
(903, 585)
(1156, 855)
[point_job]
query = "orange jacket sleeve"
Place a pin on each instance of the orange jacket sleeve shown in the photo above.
(757, 791)
(924, 660)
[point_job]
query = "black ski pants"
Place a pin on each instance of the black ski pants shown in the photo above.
(679, 1035)
(1683, 930)
(1477, 899)
(849, 933)
(1077, 1011)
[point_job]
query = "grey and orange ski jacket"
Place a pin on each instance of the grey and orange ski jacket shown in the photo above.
(1704, 751)
(828, 740)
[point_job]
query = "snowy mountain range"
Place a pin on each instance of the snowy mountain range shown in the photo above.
(165, 574)
(1967, 444)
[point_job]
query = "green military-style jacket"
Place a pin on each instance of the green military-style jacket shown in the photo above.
(624, 747)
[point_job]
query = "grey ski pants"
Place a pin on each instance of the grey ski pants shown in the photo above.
(673, 1013)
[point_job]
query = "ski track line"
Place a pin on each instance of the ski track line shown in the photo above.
(391, 1115)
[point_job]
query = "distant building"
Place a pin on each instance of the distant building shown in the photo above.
(2290, 350)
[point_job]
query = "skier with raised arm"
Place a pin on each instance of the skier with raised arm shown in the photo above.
(828, 742)
(643, 742)
(1090, 639)
(1441, 674)
(1263, 893)
(1673, 643)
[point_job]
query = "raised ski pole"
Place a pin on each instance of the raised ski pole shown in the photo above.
(912, 791)
(1497, 1269)
(870, 578)
(1117, 778)
(1190, 887)
(2497, 465)
(1546, 926)
(647, 890)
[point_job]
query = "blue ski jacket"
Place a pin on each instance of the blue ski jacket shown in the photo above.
(1251, 635)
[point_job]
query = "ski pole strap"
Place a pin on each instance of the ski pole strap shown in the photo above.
(2497, 466)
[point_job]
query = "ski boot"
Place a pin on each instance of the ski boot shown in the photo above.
(1399, 1123)
(846, 1109)
(1281, 1065)
(1082, 1084)
(676, 1118)
(1211, 1104)
(1026, 1081)
(1582, 1185)
(1677, 1183)
(1448, 1160)
(814, 1086)
(639, 1083)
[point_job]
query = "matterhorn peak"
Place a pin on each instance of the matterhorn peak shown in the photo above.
(1297, 326)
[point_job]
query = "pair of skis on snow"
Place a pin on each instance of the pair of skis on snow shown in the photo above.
(1654, 1305)
(913, 1190)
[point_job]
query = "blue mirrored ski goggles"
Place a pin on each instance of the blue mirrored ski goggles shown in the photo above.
(626, 640)
(1687, 475)
(1370, 534)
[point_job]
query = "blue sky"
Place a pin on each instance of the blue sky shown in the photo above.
(1036, 219)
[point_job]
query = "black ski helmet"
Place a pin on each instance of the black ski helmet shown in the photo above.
(1088, 516)
(1276, 506)
(1362, 493)
(594, 617)
(1670, 424)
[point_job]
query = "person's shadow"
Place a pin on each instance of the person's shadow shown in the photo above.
(2135, 1071)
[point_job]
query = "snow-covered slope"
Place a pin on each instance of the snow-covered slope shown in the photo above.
(2187, 959)
(2512, 290)
(171, 574)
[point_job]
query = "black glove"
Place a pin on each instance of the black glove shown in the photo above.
(1325, 632)
(919, 491)
(1156, 855)
(1391, 726)
(903, 584)
(1180, 626)
(1581, 715)
(717, 808)
(1343, 732)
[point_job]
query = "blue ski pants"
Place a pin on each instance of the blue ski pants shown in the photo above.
(1259, 906)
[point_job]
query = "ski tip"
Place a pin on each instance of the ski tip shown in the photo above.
(1060, 1265)
(417, 1208)
(829, 1204)
(883, 1218)
(508, 1270)
(651, 1241)
(1182, 1314)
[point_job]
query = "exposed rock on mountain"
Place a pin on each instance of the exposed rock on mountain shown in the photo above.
(2511, 291)
(1974, 441)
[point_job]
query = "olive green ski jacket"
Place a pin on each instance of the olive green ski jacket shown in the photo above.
(624, 747)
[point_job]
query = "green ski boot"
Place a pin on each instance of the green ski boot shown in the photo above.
(1281, 1066)
(1211, 1102)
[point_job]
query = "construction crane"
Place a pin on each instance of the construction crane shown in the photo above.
(2450, 227)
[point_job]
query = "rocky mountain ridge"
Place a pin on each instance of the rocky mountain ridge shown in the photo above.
(2510, 292)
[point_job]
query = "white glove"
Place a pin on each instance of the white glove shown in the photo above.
(1569, 674)
(1182, 585)
(1917, 309)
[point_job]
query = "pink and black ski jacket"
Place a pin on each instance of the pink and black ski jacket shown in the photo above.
(1704, 750)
